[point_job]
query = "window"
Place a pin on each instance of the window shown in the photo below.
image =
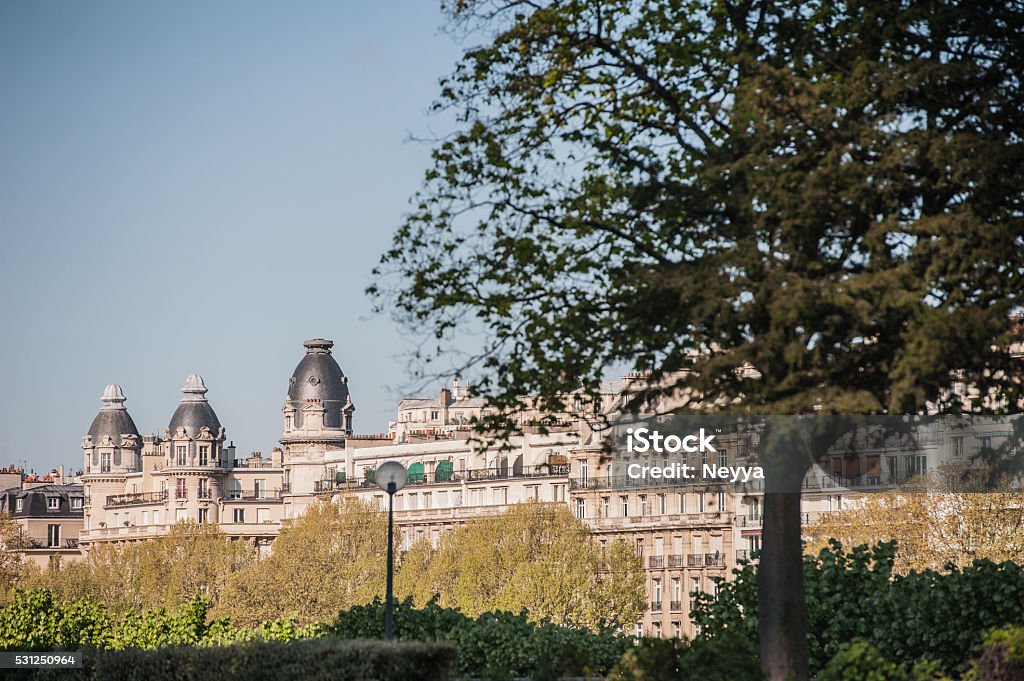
(581, 509)
(52, 503)
(656, 628)
(433, 415)
(145, 517)
(721, 501)
(682, 503)
(694, 591)
(583, 472)
(643, 504)
(605, 507)
(677, 592)
(640, 547)
(53, 535)
(414, 501)
(238, 515)
(639, 629)
(260, 488)
(263, 515)
(204, 455)
(723, 458)
(180, 515)
(427, 498)
(662, 504)
(625, 506)
(700, 502)
(204, 515)
(181, 492)
(703, 460)
(893, 464)
(181, 455)
(287, 422)
(956, 446)
(156, 517)
(204, 488)
(677, 631)
(105, 463)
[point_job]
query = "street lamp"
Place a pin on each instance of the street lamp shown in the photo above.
(390, 476)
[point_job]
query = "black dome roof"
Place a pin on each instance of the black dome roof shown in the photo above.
(194, 412)
(113, 419)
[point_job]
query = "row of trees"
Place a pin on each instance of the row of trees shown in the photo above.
(534, 557)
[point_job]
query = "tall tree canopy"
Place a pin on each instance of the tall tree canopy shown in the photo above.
(828, 193)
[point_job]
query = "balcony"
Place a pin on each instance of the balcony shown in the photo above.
(135, 499)
(205, 494)
(655, 606)
(750, 520)
(694, 560)
(676, 606)
(256, 494)
(747, 555)
(181, 494)
(675, 561)
(716, 559)
(656, 562)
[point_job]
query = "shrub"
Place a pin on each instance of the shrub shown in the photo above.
(853, 595)
(1002, 656)
(728, 658)
(311, 660)
(493, 645)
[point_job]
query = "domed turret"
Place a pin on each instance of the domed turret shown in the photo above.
(319, 380)
(195, 411)
(113, 419)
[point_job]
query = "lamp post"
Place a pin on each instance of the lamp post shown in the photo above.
(390, 476)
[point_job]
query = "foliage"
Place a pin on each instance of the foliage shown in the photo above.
(41, 620)
(860, 661)
(328, 559)
(13, 567)
(921, 616)
(494, 644)
(315, 660)
(1002, 655)
(189, 561)
(727, 658)
(932, 529)
(534, 557)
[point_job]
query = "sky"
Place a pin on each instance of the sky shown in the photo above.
(200, 187)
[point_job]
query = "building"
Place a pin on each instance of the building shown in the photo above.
(688, 535)
(48, 513)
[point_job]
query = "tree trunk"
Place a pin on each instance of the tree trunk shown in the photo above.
(782, 613)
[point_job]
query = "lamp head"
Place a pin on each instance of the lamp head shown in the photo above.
(391, 476)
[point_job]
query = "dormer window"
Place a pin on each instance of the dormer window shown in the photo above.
(180, 450)
(105, 462)
(19, 505)
(204, 455)
(53, 503)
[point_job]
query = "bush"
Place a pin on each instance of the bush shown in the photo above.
(854, 595)
(861, 661)
(1002, 656)
(311, 660)
(495, 645)
(728, 658)
(38, 620)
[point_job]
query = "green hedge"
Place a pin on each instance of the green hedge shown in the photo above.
(495, 645)
(919, 617)
(310, 660)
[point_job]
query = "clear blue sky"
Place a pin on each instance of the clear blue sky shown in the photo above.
(201, 187)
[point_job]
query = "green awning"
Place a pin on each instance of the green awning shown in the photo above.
(416, 473)
(443, 471)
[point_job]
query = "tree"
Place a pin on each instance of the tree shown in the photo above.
(12, 565)
(933, 530)
(188, 562)
(827, 193)
(330, 558)
(534, 557)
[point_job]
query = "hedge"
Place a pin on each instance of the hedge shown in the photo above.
(309, 660)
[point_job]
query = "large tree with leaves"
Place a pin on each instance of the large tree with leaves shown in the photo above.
(828, 192)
